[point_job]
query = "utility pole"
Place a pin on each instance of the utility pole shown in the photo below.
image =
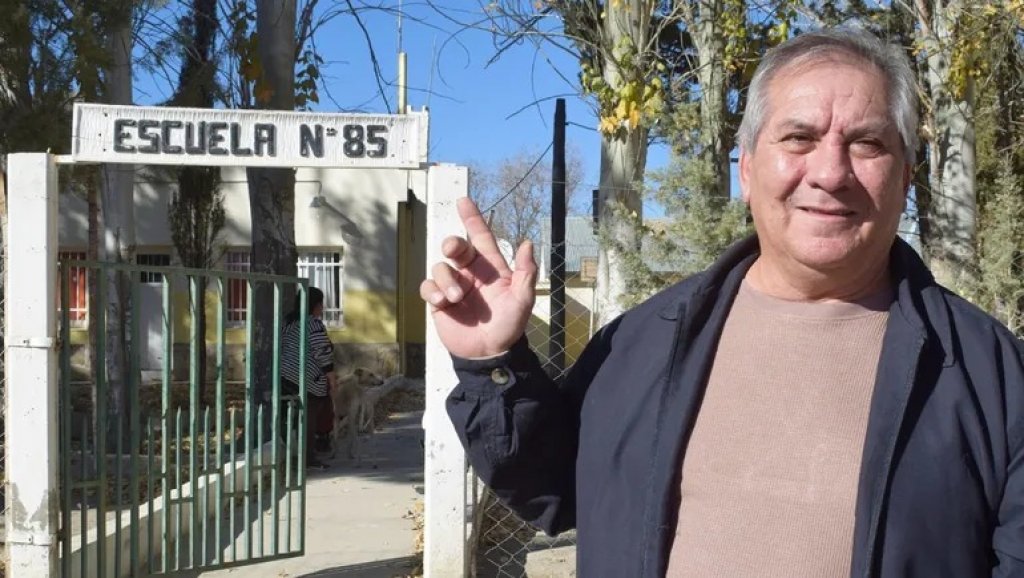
(556, 341)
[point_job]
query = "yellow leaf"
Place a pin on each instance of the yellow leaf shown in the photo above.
(607, 125)
(634, 118)
(629, 91)
(622, 110)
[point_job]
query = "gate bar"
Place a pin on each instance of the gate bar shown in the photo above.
(165, 433)
(134, 426)
(196, 300)
(99, 435)
(221, 312)
(275, 419)
(151, 495)
(65, 419)
(304, 414)
(250, 393)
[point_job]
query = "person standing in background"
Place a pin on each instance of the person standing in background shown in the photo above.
(320, 376)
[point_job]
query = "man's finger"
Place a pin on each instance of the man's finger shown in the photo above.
(524, 279)
(431, 293)
(448, 281)
(480, 234)
(459, 251)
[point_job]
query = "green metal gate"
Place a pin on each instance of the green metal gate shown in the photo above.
(173, 482)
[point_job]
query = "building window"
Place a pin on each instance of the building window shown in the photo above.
(152, 260)
(238, 300)
(324, 270)
(78, 289)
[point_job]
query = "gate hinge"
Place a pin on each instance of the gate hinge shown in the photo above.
(33, 343)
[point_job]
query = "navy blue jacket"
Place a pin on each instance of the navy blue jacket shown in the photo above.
(941, 490)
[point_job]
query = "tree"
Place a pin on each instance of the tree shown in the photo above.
(999, 282)
(624, 49)
(949, 127)
(197, 211)
(36, 82)
(118, 216)
(1000, 287)
(698, 226)
(518, 192)
(41, 78)
(272, 190)
(621, 53)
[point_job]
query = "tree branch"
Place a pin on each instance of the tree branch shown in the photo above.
(373, 56)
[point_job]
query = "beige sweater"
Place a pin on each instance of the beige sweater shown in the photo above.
(769, 479)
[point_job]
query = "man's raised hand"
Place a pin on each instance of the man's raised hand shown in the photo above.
(480, 306)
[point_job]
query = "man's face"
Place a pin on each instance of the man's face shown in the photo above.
(827, 180)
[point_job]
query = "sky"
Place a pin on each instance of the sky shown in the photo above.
(480, 113)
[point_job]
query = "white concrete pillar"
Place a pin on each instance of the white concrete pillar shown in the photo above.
(31, 366)
(445, 515)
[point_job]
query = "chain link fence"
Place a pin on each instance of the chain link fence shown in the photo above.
(502, 545)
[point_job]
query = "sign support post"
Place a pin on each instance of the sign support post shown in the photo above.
(31, 366)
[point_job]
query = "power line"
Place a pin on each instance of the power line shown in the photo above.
(583, 126)
(510, 191)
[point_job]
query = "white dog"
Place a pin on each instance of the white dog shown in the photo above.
(353, 402)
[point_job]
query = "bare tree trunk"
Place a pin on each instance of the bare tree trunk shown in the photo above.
(117, 214)
(952, 203)
(623, 160)
(622, 165)
(709, 41)
(192, 220)
(272, 191)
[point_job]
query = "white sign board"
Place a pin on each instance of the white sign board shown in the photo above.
(196, 136)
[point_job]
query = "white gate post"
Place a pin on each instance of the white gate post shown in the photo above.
(444, 552)
(31, 366)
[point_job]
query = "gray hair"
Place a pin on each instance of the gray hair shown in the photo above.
(819, 45)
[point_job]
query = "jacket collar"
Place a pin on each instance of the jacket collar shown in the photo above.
(920, 301)
(918, 296)
(725, 273)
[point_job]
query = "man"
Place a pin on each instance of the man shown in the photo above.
(813, 404)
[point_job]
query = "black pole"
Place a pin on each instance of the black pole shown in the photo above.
(556, 343)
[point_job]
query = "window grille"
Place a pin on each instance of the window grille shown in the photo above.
(325, 269)
(78, 289)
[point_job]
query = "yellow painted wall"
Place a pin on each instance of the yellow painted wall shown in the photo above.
(577, 325)
(79, 336)
(416, 318)
(369, 318)
(411, 266)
